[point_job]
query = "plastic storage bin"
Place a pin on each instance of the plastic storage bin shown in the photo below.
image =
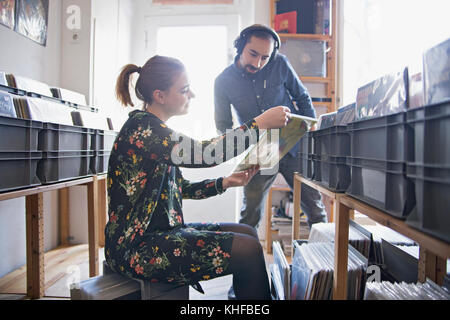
(429, 168)
(305, 143)
(306, 166)
(386, 138)
(66, 152)
(103, 140)
(432, 186)
(99, 163)
(382, 184)
(333, 141)
(102, 144)
(61, 166)
(18, 170)
(305, 156)
(431, 134)
(58, 138)
(19, 134)
(332, 172)
(19, 153)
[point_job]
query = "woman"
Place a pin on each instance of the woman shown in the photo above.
(146, 236)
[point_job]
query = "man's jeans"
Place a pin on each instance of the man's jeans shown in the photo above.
(256, 190)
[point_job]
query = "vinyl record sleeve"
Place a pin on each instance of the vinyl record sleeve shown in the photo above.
(7, 108)
(274, 144)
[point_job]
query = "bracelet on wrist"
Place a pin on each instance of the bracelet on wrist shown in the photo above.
(219, 185)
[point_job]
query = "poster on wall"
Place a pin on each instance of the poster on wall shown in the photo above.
(7, 8)
(32, 19)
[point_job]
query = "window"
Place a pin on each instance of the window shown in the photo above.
(203, 50)
(382, 36)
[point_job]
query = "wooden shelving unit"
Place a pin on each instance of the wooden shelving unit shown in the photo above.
(433, 252)
(96, 195)
(331, 41)
(269, 216)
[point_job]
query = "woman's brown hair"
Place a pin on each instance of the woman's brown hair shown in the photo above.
(158, 73)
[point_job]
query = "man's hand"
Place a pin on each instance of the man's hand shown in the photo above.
(274, 118)
(239, 179)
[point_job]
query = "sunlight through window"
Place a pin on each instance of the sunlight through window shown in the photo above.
(383, 36)
(203, 50)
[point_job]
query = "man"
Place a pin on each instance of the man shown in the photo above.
(259, 79)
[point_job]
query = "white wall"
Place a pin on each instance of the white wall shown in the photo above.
(22, 56)
(111, 26)
(76, 55)
(262, 12)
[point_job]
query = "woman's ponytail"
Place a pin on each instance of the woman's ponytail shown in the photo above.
(123, 84)
(158, 73)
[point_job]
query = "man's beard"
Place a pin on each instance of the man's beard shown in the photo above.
(251, 69)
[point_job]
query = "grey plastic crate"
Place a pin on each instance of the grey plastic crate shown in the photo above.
(306, 166)
(332, 173)
(333, 141)
(18, 170)
(61, 166)
(99, 163)
(61, 138)
(432, 190)
(103, 140)
(102, 144)
(431, 134)
(305, 143)
(19, 134)
(382, 184)
(386, 138)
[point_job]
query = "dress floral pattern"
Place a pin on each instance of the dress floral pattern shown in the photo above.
(146, 236)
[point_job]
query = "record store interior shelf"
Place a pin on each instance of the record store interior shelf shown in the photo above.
(269, 216)
(328, 82)
(433, 252)
(298, 180)
(96, 193)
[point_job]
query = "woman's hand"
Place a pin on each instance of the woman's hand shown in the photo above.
(274, 118)
(239, 179)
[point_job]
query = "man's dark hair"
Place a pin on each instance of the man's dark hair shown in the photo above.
(259, 31)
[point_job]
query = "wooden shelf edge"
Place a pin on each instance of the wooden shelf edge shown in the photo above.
(313, 184)
(276, 188)
(315, 79)
(437, 246)
(8, 195)
(326, 104)
(305, 36)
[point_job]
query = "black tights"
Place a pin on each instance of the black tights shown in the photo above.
(250, 281)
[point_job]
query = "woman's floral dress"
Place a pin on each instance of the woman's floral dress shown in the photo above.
(146, 236)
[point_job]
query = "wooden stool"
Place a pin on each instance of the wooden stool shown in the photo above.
(113, 286)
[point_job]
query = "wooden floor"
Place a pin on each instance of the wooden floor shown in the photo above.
(66, 264)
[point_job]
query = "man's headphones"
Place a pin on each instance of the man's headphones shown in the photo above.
(247, 33)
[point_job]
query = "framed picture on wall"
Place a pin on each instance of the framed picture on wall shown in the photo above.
(7, 10)
(32, 19)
